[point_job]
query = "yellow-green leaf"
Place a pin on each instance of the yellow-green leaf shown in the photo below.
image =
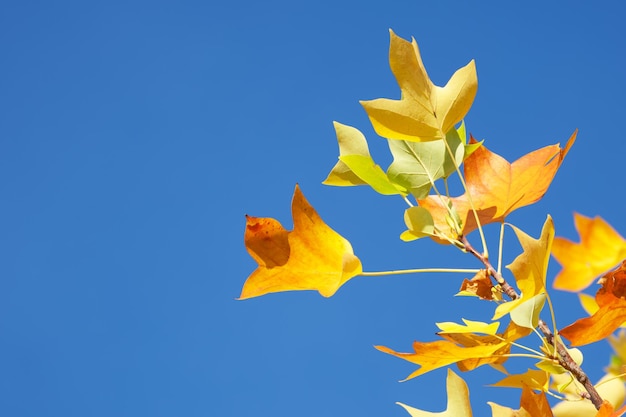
(419, 223)
(526, 314)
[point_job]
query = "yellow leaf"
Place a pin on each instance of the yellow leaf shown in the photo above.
(501, 411)
(425, 111)
(458, 400)
(469, 327)
(311, 257)
(600, 249)
(530, 267)
(532, 378)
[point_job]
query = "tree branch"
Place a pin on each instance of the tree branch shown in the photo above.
(563, 356)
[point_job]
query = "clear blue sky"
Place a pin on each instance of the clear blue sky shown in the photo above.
(134, 136)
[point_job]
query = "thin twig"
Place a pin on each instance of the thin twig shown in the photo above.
(564, 358)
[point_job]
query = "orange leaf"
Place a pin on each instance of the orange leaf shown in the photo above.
(609, 409)
(467, 350)
(498, 187)
(433, 355)
(311, 257)
(535, 404)
(511, 334)
(531, 405)
(480, 286)
(605, 410)
(600, 249)
(610, 315)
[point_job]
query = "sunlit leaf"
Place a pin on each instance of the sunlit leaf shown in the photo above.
(536, 404)
(530, 267)
(458, 400)
(532, 378)
(610, 315)
(512, 333)
(469, 327)
(531, 405)
(526, 314)
(480, 286)
(600, 249)
(419, 223)
(311, 257)
(425, 111)
(498, 187)
(372, 174)
(502, 411)
(417, 165)
(356, 166)
(434, 355)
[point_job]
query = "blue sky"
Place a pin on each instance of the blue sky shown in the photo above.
(135, 136)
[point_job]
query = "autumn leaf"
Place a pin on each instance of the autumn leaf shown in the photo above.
(512, 333)
(468, 350)
(417, 165)
(531, 405)
(425, 111)
(311, 257)
(530, 267)
(532, 378)
(469, 326)
(480, 286)
(610, 314)
(498, 410)
(497, 187)
(590, 305)
(536, 404)
(600, 249)
(458, 400)
(356, 166)
(434, 355)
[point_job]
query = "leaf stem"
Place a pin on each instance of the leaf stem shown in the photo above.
(469, 197)
(416, 271)
(500, 247)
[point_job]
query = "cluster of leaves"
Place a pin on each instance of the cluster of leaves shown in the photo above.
(428, 141)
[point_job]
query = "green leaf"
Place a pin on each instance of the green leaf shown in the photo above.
(419, 222)
(416, 165)
(526, 314)
(366, 169)
(356, 166)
